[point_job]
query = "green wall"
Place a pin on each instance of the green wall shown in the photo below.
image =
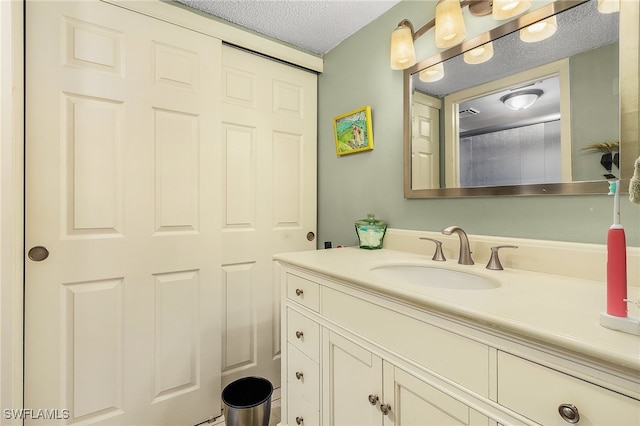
(356, 73)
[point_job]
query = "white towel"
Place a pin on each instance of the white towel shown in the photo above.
(634, 184)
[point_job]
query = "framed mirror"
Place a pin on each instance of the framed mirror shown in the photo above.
(555, 147)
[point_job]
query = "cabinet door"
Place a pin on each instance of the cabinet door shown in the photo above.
(416, 402)
(351, 375)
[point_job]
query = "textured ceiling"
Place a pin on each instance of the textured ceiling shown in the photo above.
(316, 26)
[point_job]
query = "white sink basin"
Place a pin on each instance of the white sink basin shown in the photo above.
(432, 276)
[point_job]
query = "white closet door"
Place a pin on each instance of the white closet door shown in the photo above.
(123, 318)
(269, 115)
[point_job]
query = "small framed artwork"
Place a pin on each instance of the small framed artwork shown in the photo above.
(353, 131)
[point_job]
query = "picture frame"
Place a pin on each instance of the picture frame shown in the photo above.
(353, 131)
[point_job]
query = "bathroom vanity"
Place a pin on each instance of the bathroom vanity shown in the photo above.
(365, 343)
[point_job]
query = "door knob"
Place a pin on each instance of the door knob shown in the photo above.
(311, 236)
(38, 253)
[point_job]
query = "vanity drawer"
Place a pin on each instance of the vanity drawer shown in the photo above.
(462, 360)
(537, 392)
(304, 334)
(303, 376)
(300, 411)
(303, 291)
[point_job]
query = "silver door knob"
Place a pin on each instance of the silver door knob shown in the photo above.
(38, 253)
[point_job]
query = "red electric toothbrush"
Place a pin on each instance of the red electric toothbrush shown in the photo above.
(616, 259)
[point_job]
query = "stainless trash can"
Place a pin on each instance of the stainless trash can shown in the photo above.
(247, 402)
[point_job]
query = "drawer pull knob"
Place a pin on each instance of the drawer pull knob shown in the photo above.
(299, 334)
(299, 420)
(299, 292)
(385, 408)
(569, 413)
(373, 399)
(299, 375)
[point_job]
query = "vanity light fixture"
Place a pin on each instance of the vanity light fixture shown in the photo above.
(540, 30)
(449, 26)
(479, 55)
(403, 53)
(450, 29)
(505, 9)
(608, 6)
(522, 99)
(433, 73)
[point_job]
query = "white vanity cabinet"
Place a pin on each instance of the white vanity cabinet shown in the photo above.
(363, 389)
(354, 355)
(550, 397)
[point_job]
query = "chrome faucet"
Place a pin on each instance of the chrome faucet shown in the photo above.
(465, 253)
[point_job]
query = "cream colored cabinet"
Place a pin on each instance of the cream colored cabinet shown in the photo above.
(363, 389)
(416, 402)
(550, 397)
(353, 383)
(356, 357)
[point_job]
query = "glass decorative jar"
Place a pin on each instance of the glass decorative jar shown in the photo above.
(370, 232)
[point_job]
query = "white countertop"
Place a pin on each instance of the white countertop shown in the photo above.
(558, 310)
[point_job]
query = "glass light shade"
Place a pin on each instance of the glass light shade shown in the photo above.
(433, 73)
(608, 6)
(450, 29)
(521, 100)
(505, 9)
(540, 30)
(479, 55)
(403, 53)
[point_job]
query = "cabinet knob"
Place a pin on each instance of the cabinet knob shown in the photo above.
(299, 420)
(299, 334)
(569, 413)
(385, 408)
(299, 292)
(299, 375)
(373, 399)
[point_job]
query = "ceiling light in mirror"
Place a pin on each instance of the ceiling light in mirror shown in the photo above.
(608, 6)
(433, 73)
(403, 54)
(450, 29)
(521, 100)
(505, 9)
(539, 31)
(479, 54)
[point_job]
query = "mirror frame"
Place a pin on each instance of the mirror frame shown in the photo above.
(629, 111)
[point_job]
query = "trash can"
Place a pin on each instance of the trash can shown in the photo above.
(247, 402)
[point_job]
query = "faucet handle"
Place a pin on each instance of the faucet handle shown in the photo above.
(494, 261)
(438, 255)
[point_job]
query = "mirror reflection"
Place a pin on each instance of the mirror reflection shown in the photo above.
(533, 113)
